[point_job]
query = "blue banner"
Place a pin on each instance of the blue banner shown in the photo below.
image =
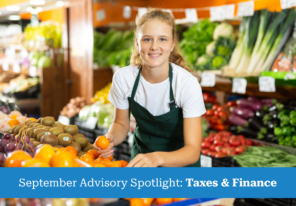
(147, 182)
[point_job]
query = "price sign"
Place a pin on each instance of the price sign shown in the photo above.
(245, 8)
(142, 11)
(219, 13)
(191, 15)
(64, 120)
(33, 71)
(208, 79)
(16, 67)
(239, 85)
(101, 14)
(5, 66)
(287, 3)
(91, 122)
(205, 161)
(127, 12)
(266, 84)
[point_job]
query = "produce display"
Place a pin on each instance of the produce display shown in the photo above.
(38, 59)
(217, 116)
(153, 201)
(113, 48)
(73, 107)
(224, 144)
(19, 84)
(9, 121)
(102, 95)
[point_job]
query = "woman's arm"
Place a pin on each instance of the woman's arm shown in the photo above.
(187, 155)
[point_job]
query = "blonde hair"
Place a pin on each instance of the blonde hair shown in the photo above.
(157, 14)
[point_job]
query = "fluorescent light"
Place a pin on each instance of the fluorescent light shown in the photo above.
(13, 8)
(37, 2)
(60, 3)
(14, 17)
(34, 10)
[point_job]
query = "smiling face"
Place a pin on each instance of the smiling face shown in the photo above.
(155, 43)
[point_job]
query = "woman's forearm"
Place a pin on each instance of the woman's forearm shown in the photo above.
(187, 155)
(119, 132)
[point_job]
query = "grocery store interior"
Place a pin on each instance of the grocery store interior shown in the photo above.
(58, 57)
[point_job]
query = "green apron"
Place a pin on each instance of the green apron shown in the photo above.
(157, 133)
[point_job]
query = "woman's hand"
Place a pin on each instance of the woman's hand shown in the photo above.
(108, 151)
(144, 160)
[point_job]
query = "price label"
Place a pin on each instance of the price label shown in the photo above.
(287, 3)
(208, 79)
(245, 8)
(205, 161)
(5, 66)
(91, 122)
(142, 11)
(191, 15)
(16, 67)
(127, 12)
(266, 84)
(239, 85)
(33, 71)
(219, 13)
(100, 14)
(64, 120)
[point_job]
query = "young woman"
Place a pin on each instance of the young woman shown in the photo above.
(165, 99)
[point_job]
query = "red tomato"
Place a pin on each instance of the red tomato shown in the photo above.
(241, 139)
(213, 99)
(239, 149)
(215, 106)
(212, 153)
(225, 149)
(227, 134)
(206, 97)
(213, 147)
(205, 151)
(222, 115)
(218, 142)
(249, 142)
(220, 108)
(217, 136)
(225, 139)
(234, 141)
(212, 134)
(231, 103)
(219, 148)
(227, 144)
(210, 112)
(216, 113)
(205, 145)
(219, 127)
(209, 139)
(220, 155)
(231, 151)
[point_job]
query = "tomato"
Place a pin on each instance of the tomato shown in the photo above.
(205, 145)
(227, 134)
(241, 139)
(220, 155)
(225, 149)
(205, 151)
(213, 147)
(217, 136)
(209, 139)
(234, 141)
(212, 134)
(216, 113)
(227, 144)
(225, 139)
(212, 153)
(249, 142)
(218, 142)
(222, 115)
(219, 148)
(213, 99)
(219, 127)
(231, 151)
(239, 149)
(231, 103)
(215, 106)
(220, 108)
(210, 112)
(206, 97)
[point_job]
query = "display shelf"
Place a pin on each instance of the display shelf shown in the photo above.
(28, 103)
(286, 149)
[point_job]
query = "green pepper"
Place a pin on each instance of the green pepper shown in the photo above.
(266, 118)
(278, 131)
(287, 130)
(293, 121)
(283, 113)
(292, 114)
(285, 121)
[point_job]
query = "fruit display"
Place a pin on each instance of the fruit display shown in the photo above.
(7, 122)
(38, 59)
(217, 117)
(104, 113)
(102, 95)
(73, 107)
(224, 144)
(153, 201)
(19, 84)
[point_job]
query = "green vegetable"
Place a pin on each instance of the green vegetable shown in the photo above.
(285, 121)
(293, 121)
(223, 30)
(218, 62)
(278, 131)
(292, 114)
(288, 139)
(283, 113)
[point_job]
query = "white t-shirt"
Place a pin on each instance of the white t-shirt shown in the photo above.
(155, 97)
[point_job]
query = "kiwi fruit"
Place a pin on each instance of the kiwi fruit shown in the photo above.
(47, 128)
(82, 141)
(35, 125)
(38, 131)
(18, 129)
(57, 124)
(28, 122)
(36, 144)
(40, 120)
(58, 146)
(81, 153)
(76, 146)
(32, 140)
(76, 136)
(41, 134)
(71, 129)
(47, 121)
(31, 124)
(65, 139)
(15, 127)
(49, 139)
(40, 127)
(88, 148)
(29, 132)
(56, 131)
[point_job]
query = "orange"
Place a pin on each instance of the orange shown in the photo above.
(124, 163)
(81, 163)
(87, 158)
(106, 162)
(13, 122)
(99, 160)
(71, 149)
(76, 163)
(14, 158)
(136, 202)
(116, 164)
(13, 116)
(162, 201)
(62, 159)
(147, 201)
(94, 153)
(44, 153)
(92, 164)
(179, 199)
(102, 142)
(111, 157)
(34, 163)
(56, 149)
(99, 165)
(33, 119)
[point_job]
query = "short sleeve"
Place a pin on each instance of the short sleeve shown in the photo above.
(192, 100)
(117, 94)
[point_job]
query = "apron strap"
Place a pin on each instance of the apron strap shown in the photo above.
(136, 84)
(171, 80)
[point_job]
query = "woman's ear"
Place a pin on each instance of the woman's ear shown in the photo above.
(137, 44)
(173, 46)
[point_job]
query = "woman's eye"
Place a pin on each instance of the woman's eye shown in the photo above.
(162, 39)
(147, 39)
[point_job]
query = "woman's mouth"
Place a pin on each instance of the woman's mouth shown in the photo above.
(154, 56)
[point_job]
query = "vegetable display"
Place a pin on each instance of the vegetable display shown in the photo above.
(73, 107)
